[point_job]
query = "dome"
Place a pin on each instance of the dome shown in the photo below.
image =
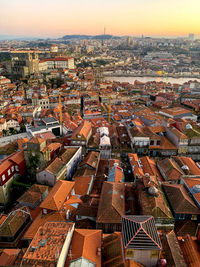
(153, 190)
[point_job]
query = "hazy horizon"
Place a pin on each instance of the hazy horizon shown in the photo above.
(48, 18)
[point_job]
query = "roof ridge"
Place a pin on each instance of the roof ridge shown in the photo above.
(134, 235)
(151, 237)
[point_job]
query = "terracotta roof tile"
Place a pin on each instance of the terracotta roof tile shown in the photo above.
(89, 245)
(82, 184)
(112, 204)
(47, 244)
(55, 166)
(171, 169)
(40, 220)
(83, 130)
(190, 250)
(57, 196)
(91, 159)
(179, 199)
(9, 256)
(13, 223)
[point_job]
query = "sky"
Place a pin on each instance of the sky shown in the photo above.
(55, 18)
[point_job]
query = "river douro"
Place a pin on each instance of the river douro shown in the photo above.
(148, 79)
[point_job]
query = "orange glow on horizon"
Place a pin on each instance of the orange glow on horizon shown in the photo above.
(121, 17)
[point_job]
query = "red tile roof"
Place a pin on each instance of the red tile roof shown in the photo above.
(57, 196)
(9, 256)
(112, 203)
(89, 246)
(45, 248)
(179, 199)
(190, 250)
(40, 220)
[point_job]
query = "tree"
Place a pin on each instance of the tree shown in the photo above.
(32, 165)
(22, 128)
(5, 132)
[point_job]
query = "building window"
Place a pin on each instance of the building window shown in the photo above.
(8, 172)
(16, 168)
(44, 211)
(4, 185)
(152, 142)
(3, 177)
(13, 168)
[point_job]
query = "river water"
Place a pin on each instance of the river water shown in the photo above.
(131, 80)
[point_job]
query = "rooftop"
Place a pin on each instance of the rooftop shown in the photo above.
(88, 248)
(112, 204)
(139, 232)
(57, 196)
(68, 154)
(179, 199)
(47, 244)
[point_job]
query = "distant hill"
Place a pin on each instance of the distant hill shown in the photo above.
(76, 36)
(13, 37)
(95, 37)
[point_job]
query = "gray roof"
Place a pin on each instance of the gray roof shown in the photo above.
(140, 232)
(49, 120)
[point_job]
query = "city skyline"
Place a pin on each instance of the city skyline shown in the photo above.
(55, 19)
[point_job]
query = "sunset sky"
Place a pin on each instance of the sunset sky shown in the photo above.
(55, 18)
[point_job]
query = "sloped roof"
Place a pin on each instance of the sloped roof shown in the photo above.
(13, 223)
(83, 130)
(190, 249)
(57, 196)
(36, 140)
(112, 203)
(82, 184)
(40, 220)
(68, 154)
(9, 256)
(151, 203)
(179, 199)
(33, 194)
(140, 232)
(88, 243)
(55, 166)
(47, 244)
(172, 251)
(149, 166)
(91, 159)
(138, 132)
(171, 169)
(187, 161)
(136, 169)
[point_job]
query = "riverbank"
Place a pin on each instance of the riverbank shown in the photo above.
(154, 76)
(145, 79)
